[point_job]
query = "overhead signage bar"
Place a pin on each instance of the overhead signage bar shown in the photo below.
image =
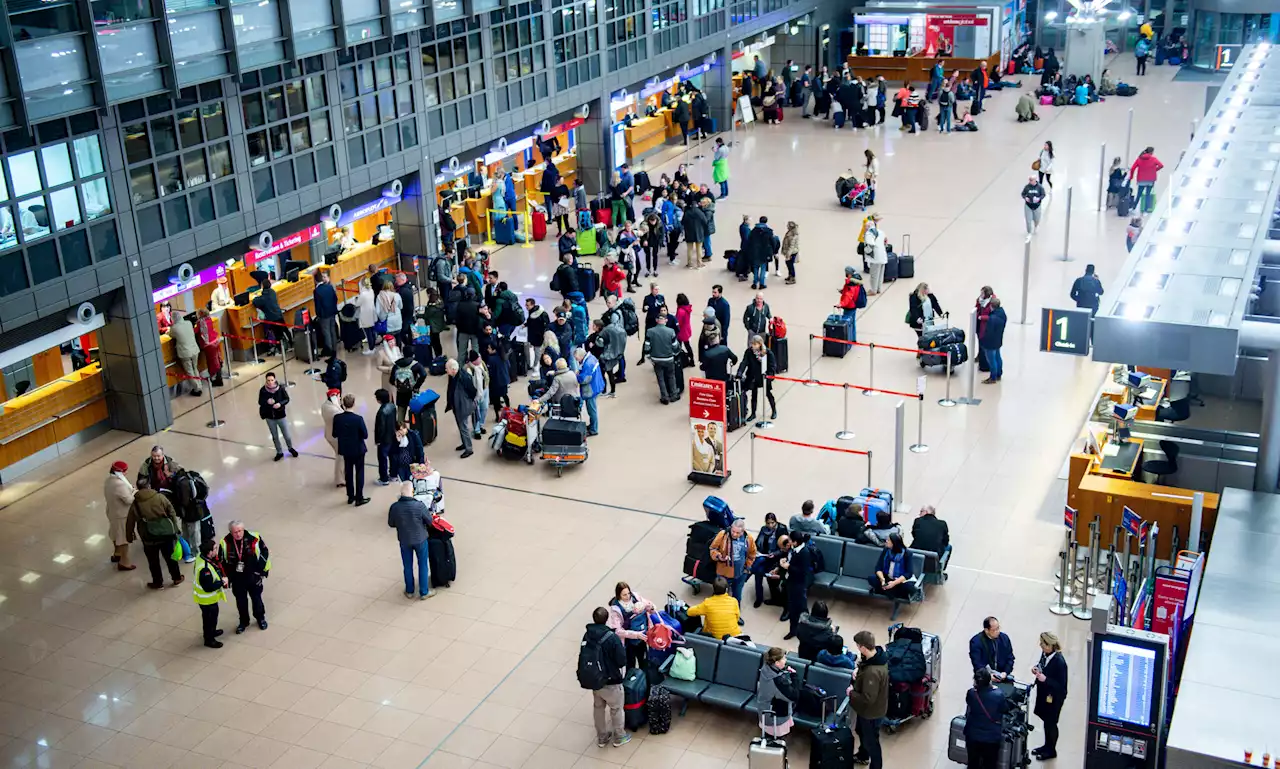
(207, 275)
(283, 244)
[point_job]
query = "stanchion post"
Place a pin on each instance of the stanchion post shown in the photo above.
(871, 375)
(753, 487)
(899, 441)
(213, 409)
(226, 357)
(1066, 239)
(1102, 179)
(284, 361)
(1085, 609)
(811, 382)
(1061, 607)
(869, 484)
(1093, 556)
(845, 435)
(947, 400)
(253, 340)
(920, 446)
(1128, 139)
(311, 354)
(1026, 278)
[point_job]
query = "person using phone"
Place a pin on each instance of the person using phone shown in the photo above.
(1051, 690)
(777, 686)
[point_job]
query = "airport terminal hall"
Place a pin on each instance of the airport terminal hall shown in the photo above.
(639, 384)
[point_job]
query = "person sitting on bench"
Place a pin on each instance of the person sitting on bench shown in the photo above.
(893, 571)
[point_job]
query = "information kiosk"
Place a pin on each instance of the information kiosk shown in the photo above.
(1128, 678)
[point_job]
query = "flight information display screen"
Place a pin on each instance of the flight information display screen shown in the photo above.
(1126, 686)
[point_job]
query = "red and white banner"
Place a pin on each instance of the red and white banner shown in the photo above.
(707, 428)
(283, 244)
(956, 20)
(1168, 603)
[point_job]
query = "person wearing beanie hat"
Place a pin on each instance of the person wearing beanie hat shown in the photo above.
(330, 408)
(565, 382)
(119, 495)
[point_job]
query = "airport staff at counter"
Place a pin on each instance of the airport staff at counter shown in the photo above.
(471, 208)
(1105, 472)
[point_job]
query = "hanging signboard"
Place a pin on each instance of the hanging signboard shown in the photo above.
(707, 432)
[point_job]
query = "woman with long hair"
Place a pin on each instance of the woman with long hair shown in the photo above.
(1046, 164)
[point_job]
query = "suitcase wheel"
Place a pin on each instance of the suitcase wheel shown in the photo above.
(697, 588)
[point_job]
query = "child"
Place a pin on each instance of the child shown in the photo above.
(1115, 183)
(1132, 232)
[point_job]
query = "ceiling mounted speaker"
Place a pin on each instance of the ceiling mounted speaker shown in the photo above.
(454, 165)
(334, 213)
(393, 190)
(545, 128)
(583, 112)
(82, 315)
(262, 242)
(182, 273)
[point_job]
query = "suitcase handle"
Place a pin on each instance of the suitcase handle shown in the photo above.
(906, 244)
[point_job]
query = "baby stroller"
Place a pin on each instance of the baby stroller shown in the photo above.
(563, 436)
(516, 435)
(852, 193)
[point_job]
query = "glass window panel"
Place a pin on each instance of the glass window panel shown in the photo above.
(354, 10)
(215, 121)
(177, 215)
(444, 56)
(201, 203)
(316, 97)
(168, 177)
(150, 225)
(255, 22)
(219, 161)
(391, 139)
(347, 83)
(4, 188)
(66, 208)
(285, 182)
(13, 273)
(306, 170)
(8, 231)
(446, 88)
(300, 131)
(428, 59)
(24, 173)
(96, 202)
(496, 40)
(189, 128)
(263, 189)
(326, 165)
(404, 100)
(373, 145)
(274, 99)
(459, 51)
(464, 113)
(368, 112)
(351, 118)
(410, 19)
(254, 115)
(44, 263)
(106, 244)
(382, 72)
(401, 63)
(195, 34)
(142, 184)
(227, 201)
(443, 10)
(57, 164)
(164, 137)
(355, 152)
(279, 140)
(75, 251)
(257, 148)
(33, 218)
(460, 83)
(386, 106)
(194, 169)
(315, 16)
(477, 78)
(408, 134)
(129, 47)
(435, 124)
(364, 74)
(44, 22)
(295, 98)
(504, 100)
(320, 130)
(432, 94)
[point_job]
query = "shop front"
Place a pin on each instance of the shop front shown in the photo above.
(643, 115)
(465, 186)
(902, 45)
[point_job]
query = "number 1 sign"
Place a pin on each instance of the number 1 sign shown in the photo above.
(1065, 331)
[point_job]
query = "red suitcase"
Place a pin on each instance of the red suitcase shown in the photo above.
(604, 216)
(539, 225)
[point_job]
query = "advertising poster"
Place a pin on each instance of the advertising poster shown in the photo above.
(1167, 602)
(943, 25)
(707, 432)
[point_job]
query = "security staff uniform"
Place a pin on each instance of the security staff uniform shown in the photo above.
(247, 562)
(207, 589)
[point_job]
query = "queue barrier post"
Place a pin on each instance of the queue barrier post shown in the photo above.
(253, 340)
(845, 435)
(1084, 610)
(1102, 179)
(1112, 555)
(811, 381)
(869, 484)
(311, 353)
(226, 358)
(284, 359)
(899, 440)
(871, 374)
(920, 447)
(1060, 606)
(1092, 557)
(213, 409)
(1175, 541)
(946, 400)
(753, 487)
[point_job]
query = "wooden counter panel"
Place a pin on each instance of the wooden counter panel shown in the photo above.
(1107, 498)
(21, 448)
(81, 419)
(895, 69)
(64, 402)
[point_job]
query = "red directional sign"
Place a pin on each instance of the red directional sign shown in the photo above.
(707, 431)
(706, 399)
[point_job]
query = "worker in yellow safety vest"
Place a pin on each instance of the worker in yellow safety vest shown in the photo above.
(208, 584)
(246, 562)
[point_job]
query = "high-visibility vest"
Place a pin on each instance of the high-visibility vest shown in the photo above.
(257, 549)
(202, 596)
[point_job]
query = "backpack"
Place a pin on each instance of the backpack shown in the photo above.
(630, 319)
(1143, 48)
(592, 671)
(778, 327)
(402, 377)
(442, 269)
(341, 366)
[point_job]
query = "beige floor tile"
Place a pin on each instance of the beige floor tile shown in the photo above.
(121, 749)
(364, 746)
(469, 741)
(401, 755)
(298, 757)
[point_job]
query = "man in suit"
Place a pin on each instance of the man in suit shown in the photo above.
(799, 568)
(326, 299)
(350, 432)
(461, 401)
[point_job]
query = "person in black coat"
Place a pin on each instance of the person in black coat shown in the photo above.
(1051, 690)
(326, 301)
(565, 279)
(929, 532)
(799, 567)
(993, 650)
(915, 308)
(384, 434)
(985, 706)
(768, 545)
(335, 373)
(718, 360)
(993, 339)
(350, 433)
(851, 524)
(405, 289)
(893, 570)
(407, 451)
(814, 631)
(272, 400)
(757, 366)
(495, 360)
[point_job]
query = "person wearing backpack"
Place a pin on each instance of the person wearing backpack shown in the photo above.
(601, 659)
(153, 519)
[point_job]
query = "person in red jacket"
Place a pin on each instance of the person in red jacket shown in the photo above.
(612, 277)
(684, 327)
(1144, 171)
(852, 296)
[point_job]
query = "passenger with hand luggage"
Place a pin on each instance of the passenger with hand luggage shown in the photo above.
(734, 552)
(721, 613)
(923, 309)
(993, 650)
(874, 253)
(600, 662)
(985, 706)
(766, 545)
(777, 691)
(628, 618)
(893, 570)
(869, 698)
(983, 307)
(1051, 690)
(758, 365)
(798, 565)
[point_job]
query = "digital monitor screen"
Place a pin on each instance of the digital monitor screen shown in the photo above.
(1126, 686)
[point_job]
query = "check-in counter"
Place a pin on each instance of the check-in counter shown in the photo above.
(172, 368)
(296, 294)
(51, 413)
(915, 69)
(566, 164)
(645, 135)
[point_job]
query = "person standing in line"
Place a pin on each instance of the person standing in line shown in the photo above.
(993, 339)
(720, 167)
(869, 698)
(405, 290)
(329, 409)
(1051, 691)
(791, 250)
(695, 231)
(1140, 53)
(247, 562)
(756, 318)
(119, 496)
(207, 583)
(758, 366)
(187, 350)
(1032, 198)
(652, 305)
(326, 301)
(367, 305)
(799, 567)
(1144, 171)
(871, 175)
(875, 254)
(946, 107)
(734, 552)
(210, 342)
(684, 328)
(590, 385)
(461, 400)
(156, 522)
(480, 378)
(410, 518)
(350, 433)
(720, 305)
(762, 245)
(980, 81)
(601, 659)
(272, 399)
(982, 306)
(384, 434)
(985, 706)
(1045, 169)
(661, 346)
(852, 297)
(1086, 291)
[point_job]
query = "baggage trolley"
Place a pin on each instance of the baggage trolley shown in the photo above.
(922, 693)
(522, 425)
(559, 455)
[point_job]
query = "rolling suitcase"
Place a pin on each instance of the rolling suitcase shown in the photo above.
(735, 404)
(442, 562)
(836, 327)
(906, 260)
(891, 268)
(587, 245)
(504, 230)
(767, 753)
(539, 225)
(603, 216)
(635, 699)
(831, 749)
(781, 356)
(837, 119)
(938, 337)
(659, 710)
(1013, 747)
(588, 283)
(956, 352)
(518, 359)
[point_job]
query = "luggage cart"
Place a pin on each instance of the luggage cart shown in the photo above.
(558, 454)
(522, 425)
(923, 692)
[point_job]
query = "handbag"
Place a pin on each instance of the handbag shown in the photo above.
(684, 666)
(1035, 165)
(379, 327)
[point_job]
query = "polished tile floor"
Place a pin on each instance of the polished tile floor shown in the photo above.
(97, 671)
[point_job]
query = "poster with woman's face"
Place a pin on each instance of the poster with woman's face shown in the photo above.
(707, 443)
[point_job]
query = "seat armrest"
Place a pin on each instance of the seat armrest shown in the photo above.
(666, 664)
(944, 559)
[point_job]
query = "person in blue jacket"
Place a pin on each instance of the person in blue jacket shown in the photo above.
(985, 707)
(718, 303)
(837, 655)
(992, 650)
(993, 339)
(590, 385)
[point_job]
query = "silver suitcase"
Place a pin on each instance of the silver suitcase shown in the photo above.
(1012, 749)
(766, 752)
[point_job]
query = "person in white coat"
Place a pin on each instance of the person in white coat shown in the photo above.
(368, 310)
(389, 307)
(332, 407)
(876, 255)
(187, 350)
(1046, 165)
(119, 495)
(385, 359)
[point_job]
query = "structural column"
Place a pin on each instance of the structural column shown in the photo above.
(718, 88)
(413, 221)
(1267, 474)
(595, 147)
(129, 345)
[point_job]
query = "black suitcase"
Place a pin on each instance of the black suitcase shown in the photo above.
(703, 532)
(1125, 203)
(564, 432)
(635, 699)
(932, 340)
(659, 710)
(441, 560)
(422, 351)
(424, 421)
(891, 268)
(735, 404)
(588, 283)
(906, 266)
(831, 749)
(957, 352)
(780, 354)
(836, 327)
(518, 359)
(350, 332)
(700, 568)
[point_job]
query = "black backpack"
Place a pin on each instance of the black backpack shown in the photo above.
(341, 366)
(593, 672)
